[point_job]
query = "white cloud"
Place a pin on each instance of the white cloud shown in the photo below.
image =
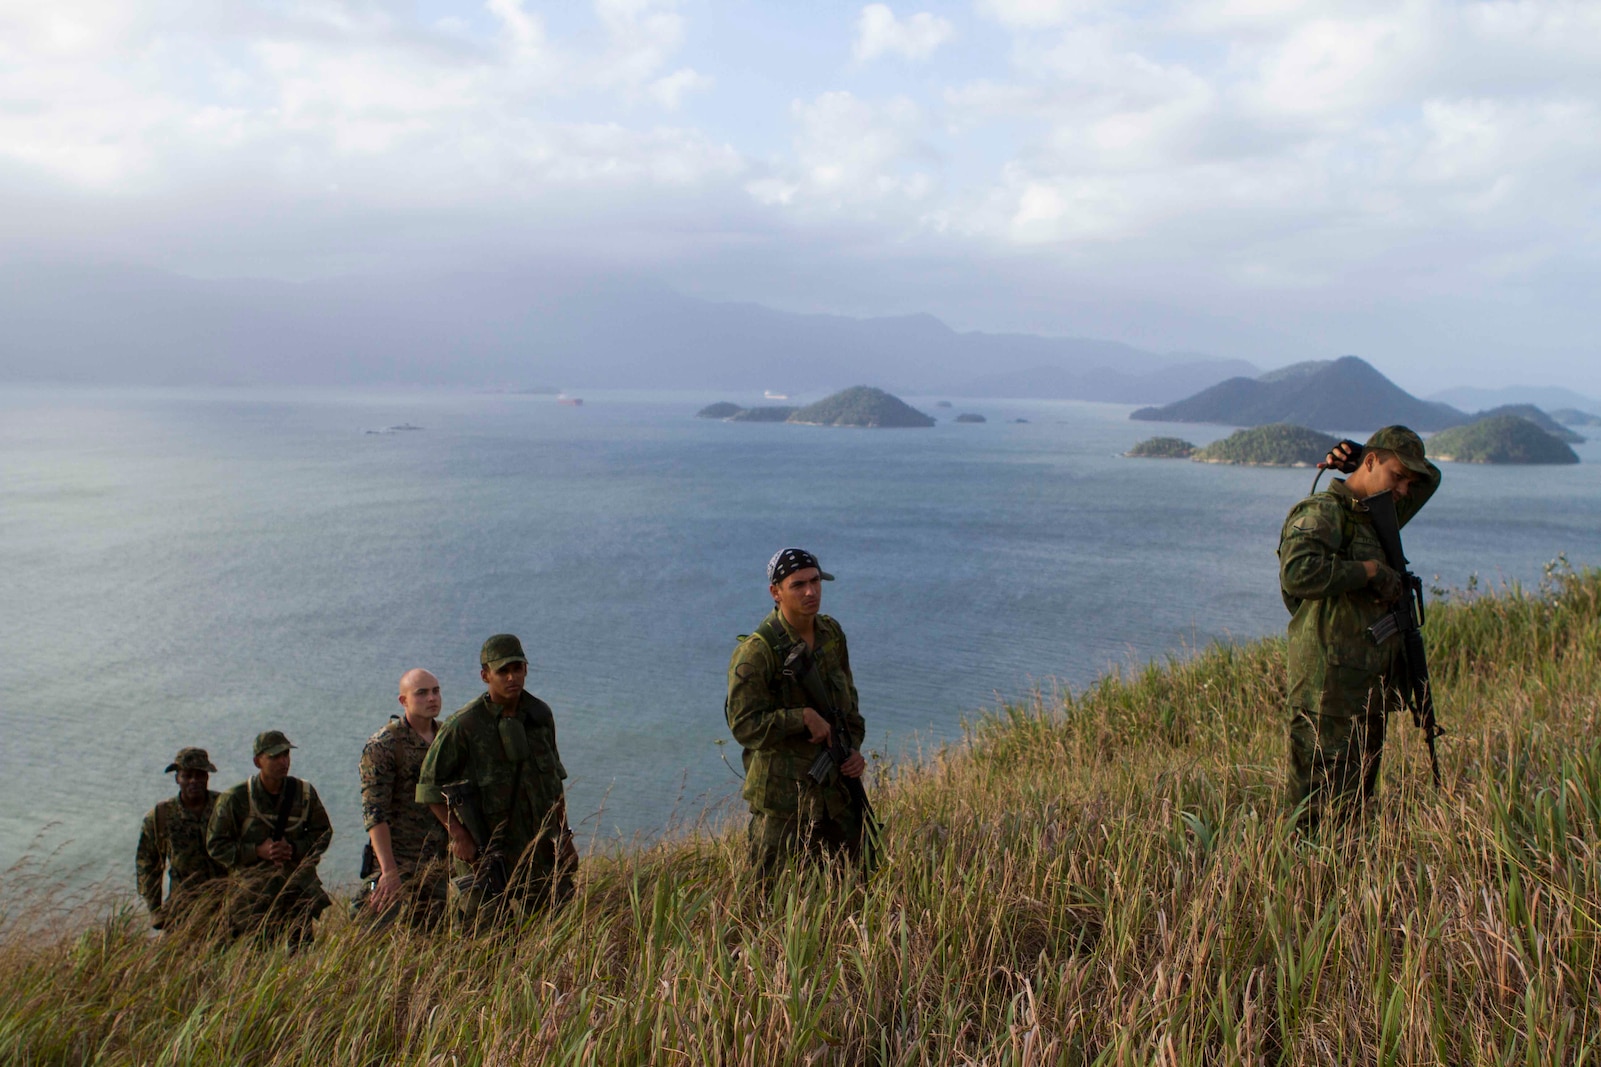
(669, 91)
(879, 32)
(853, 156)
(1036, 14)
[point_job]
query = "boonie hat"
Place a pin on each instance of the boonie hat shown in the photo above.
(272, 743)
(190, 759)
(1404, 444)
(786, 561)
(501, 650)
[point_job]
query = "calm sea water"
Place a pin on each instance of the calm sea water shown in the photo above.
(194, 567)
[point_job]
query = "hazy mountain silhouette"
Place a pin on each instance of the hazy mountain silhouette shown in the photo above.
(1341, 394)
(535, 325)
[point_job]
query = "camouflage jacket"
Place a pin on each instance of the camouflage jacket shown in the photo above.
(172, 842)
(391, 762)
(1333, 663)
(468, 748)
(245, 817)
(764, 712)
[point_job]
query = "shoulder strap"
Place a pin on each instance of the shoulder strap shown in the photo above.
(286, 804)
(774, 636)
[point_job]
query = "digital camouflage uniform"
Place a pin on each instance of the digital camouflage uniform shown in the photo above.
(172, 844)
(269, 898)
(391, 763)
(789, 811)
(1341, 685)
(532, 836)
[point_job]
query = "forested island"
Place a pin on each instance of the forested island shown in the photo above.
(859, 406)
(1162, 448)
(1500, 439)
(1278, 445)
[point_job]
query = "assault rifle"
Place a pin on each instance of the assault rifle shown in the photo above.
(1406, 620)
(800, 666)
(489, 867)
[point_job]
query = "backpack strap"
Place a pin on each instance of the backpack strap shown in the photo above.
(774, 637)
(162, 844)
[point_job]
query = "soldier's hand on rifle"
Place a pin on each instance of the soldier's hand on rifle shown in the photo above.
(1385, 583)
(817, 726)
(1344, 457)
(462, 845)
(275, 851)
(854, 766)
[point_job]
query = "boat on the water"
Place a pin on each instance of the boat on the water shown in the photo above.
(570, 401)
(770, 395)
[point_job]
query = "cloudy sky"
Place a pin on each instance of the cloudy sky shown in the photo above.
(1415, 182)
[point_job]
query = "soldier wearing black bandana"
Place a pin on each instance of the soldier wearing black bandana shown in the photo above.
(791, 815)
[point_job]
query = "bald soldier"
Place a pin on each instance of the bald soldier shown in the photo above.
(270, 832)
(782, 734)
(1336, 583)
(172, 842)
(406, 842)
(493, 778)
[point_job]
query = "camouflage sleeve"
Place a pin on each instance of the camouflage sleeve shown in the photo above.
(1309, 563)
(755, 722)
(222, 836)
(149, 863)
(377, 783)
(441, 766)
(1423, 487)
(318, 830)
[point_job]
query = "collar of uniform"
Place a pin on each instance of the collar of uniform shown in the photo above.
(818, 630)
(1343, 491)
(495, 709)
(261, 791)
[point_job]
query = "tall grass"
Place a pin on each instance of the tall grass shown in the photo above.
(1102, 878)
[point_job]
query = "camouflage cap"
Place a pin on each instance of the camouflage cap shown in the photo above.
(191, 759)
(501, 650)
(1405, 445)
(272, 743)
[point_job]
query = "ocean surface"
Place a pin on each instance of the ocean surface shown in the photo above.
(192, 567)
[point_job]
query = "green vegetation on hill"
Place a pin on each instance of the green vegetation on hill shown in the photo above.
(720, 410)
(1102, 877)
(1501, 439)
(1536, 416)
(861, 406)
(767, 413)
(1345, 394)
(1162, 448)
(1279, 445)
(1575, 417)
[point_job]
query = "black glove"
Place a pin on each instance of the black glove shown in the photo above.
(1344, 457)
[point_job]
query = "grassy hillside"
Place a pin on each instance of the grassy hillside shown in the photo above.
(1098, 878)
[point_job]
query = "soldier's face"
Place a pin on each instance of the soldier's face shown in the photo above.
(1390, 473)
(800, 595)
(192, 784)
(506, 681)
(273, 768)
(420, 696)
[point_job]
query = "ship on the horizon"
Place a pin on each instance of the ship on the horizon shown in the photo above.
(770, 395)
(570, 401)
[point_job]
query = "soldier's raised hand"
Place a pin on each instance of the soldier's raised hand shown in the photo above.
(1344, 457)
(817, 726)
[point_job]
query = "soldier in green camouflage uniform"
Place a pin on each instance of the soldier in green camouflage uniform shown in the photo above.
(406, 843)
(274, 888)
(172, 842)
(504, 745)
(1336, 584)
(769, 715)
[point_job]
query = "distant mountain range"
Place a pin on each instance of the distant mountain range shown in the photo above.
(1345, 394)
(1549, 397)
(511, 328)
